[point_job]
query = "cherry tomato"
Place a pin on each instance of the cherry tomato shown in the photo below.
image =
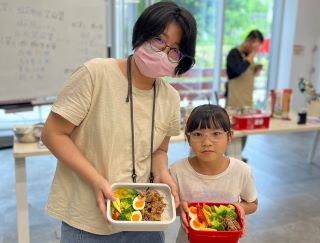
(115, 214)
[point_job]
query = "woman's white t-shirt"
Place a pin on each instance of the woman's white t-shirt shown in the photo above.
(94, 100)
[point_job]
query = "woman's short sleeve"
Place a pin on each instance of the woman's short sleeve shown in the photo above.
(174, 125)
(73, 103)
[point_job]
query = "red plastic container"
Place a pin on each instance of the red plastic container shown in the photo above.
(198, 236)
(255, 121)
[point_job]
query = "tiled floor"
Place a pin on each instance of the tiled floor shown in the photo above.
(289, 192)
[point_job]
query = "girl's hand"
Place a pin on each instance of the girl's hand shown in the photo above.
(103, 192)
(184, 210)
(165, 177)
(242, 216)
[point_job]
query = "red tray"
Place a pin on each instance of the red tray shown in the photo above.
(256, 121)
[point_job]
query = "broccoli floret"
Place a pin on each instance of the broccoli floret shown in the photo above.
(221, 210)
(215, 224)
(231, 212)
(126, 214)
(132, 193)
(123, 217)
(126, 203)
(215, 216)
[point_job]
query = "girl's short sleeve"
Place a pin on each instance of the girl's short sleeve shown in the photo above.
(249, 191)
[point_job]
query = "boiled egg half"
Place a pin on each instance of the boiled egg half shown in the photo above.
(195, 224)
(192, 212)
(138, 203)
(136, 216)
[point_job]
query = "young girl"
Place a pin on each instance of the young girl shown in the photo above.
(209, 175)
(113, 121)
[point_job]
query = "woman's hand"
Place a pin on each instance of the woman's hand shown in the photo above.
(184, 210)
(103, 192)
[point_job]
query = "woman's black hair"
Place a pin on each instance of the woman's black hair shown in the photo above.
(208, 116)
(154, 20)
(255, 35)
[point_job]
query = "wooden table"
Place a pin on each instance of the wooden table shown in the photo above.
(23, 150)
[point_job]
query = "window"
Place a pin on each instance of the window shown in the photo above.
(196, 86)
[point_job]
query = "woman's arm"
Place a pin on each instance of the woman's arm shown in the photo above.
(160, 168)
(56, 136)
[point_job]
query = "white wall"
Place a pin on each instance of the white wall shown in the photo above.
(307, 34)
(316, 65)
(287, 41)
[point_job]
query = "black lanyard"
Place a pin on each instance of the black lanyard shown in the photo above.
(129, 98)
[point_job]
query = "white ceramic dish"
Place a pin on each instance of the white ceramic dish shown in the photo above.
(169, 212)
(28, 133)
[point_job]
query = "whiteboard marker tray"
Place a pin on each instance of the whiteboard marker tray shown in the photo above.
(168, 216)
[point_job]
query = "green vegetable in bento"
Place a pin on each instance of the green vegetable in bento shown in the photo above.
(231, 212)
(217, 224)
(132, 193)
(218, 214)
(117, 205)
(126, 214)
(126, 203)
(123, 203)
(223, 211)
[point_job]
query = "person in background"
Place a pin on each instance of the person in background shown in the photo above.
(241, 71)
(112, 122)
(209, 175)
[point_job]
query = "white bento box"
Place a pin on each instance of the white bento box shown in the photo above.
(169, 213)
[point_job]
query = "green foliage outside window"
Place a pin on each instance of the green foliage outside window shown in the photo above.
(241, 16)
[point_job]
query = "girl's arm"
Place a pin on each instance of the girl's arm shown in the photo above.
(56, 136)
(160, 168)
(249, 207)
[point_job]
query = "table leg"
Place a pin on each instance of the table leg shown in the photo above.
(312, 152)
(235, 148)
(22, 201)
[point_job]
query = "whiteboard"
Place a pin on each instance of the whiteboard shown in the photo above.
(43, 41)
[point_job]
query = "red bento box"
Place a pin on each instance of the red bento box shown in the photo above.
(198, 236)
(255, 121)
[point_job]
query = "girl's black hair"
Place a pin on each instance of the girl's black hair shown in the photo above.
(255, 35)
(154, 20)
(208, 116)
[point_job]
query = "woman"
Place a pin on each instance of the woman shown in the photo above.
(113, 121)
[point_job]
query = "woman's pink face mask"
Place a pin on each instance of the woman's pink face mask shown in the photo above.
(153, 64)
